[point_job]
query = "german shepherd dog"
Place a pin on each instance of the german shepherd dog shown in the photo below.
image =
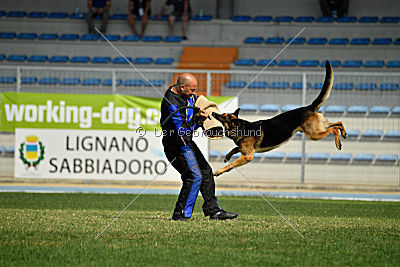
(265, 135)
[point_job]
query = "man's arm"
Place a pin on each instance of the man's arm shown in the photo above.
(107, 7)
(147, 7)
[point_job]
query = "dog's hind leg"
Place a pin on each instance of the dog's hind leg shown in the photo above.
(231, 153)
(242, 160)
(340, 126)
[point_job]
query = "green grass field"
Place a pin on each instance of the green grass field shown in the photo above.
(59, 229)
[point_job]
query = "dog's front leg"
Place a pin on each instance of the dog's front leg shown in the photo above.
(242, 160)
(231, 153)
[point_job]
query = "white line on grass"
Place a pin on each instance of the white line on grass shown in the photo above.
(266, 66)
(119, 214)
(267, 201)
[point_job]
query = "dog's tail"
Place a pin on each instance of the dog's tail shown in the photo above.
(326, 88)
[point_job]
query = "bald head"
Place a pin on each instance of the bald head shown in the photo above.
(186, 85)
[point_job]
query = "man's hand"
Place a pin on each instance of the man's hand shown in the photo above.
(204, 114)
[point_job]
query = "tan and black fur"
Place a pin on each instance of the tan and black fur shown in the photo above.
(265, 135)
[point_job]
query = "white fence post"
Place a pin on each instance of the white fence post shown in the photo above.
(303, 137)
(114, 81)
(18, 79)
(208, 89)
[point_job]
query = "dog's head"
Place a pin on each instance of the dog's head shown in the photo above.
(230, 121)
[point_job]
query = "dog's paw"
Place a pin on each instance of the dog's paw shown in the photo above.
(339, 145)
(217, 173)
(344, 134)
(226, 159)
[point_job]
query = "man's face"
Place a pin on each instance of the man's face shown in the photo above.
(188, 89)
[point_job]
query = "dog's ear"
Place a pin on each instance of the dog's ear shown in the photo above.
(236, 113)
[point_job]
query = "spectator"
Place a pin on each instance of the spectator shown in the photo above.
(98, 8)
(139, 8)
(181, 9)
(331, 7)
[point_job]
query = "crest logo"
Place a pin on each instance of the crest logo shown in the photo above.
(31, 151)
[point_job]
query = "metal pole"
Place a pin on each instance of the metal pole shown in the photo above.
(113, 81)
(18, 79)
(208, 89)
(303, 137)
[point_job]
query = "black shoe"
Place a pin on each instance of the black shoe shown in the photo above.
(179, 217)
(184, 38)
(223, 215)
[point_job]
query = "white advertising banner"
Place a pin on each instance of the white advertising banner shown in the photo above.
(94, 154)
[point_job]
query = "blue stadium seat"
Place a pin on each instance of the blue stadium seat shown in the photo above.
(392, 135)
(7, 80)
(108, 82)
(343, 86)
(339, 41)
(287, 63)
(318, 157)
(70, 81)
(372, 134)
(265, 62)
(317, 41)
(235, 84)
(153, 39)
(309, 63)
(241, 18)
(173, 39)
(26, 36)
(257, 85)
(389, 87)
(28, 80)
(7, 35)
(325, 19)
(122, 60)
(352, 64)
(351, 19)
(214, 154)
(299, 85)
(130, 38)
(133, 82)
(16, 14)
(37, 58)
(78, 16)
(69, 37)
(119, 17)
(89, 37)
(164, 61)
(298, 40)
(162, 18)
(274, 40)
(364, 158)
(48, 81)
(275, 156)
(47, 36)
(262, 19)
(110, 37)
(366, 86)
(16, 58)
(303, 19)
(91, 81)
(2, 13)
(289, 107)
(357, 110)
(279, 85)
(249, 107)
(103, 60)
(353, 133)
(374, 64)
(389, 20)
(335, 109)
(2, 57)
(143, 60)
(396, 110)
(382, 41)
(334, 63)
(317, 86)
(253, 40)
(270, 108)
(202, 18)
(57, 15)
(294, 156)
(379, 110)
(37, 15)
(387, 159)
(360, 41)
(155, 83)
(79, 59)
(341, 157)
(58, 59)
(283, 19)
(245, 62)
(368, 20)
(393, 64)
(397, 41)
